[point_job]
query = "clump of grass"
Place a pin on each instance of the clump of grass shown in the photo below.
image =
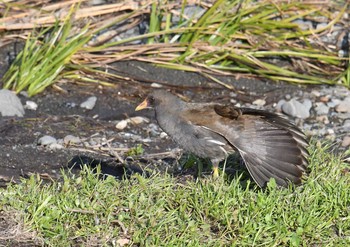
(44, 56)
(162, 211)
(137, 150)
(231, 37)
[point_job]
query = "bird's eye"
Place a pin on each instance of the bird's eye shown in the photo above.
(151, 100)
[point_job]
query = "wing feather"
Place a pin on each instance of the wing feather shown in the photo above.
(270, 145)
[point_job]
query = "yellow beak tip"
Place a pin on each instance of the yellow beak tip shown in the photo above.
(143, 105)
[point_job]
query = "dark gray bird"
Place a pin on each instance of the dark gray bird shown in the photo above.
(270, 145)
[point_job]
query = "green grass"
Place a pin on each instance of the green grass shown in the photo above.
(161, 211)
(45, 56)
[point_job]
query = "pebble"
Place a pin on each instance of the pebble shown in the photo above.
(295, 108)
(343, 115)
(303, 25)
(316, 93)
(163, 135)
(259, 102)
(138, 120)
(121, 124)
(307, 103)
(346, 125)
(70, 104)
(344, 105)
(330, 131)
(10, 104)
(323, 119)
(70, 139)
(146, 140)
(55, 146)
(156, 85)
(325, 99)
(321, 109)
(279, 105)
(89, 103)
(134, 120)
(153, 130)
(31, 105)
(346, 141)
(333, 103)
(47, 140)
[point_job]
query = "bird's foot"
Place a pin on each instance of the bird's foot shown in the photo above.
(215, 172)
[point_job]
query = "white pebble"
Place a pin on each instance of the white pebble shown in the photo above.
(55, 146)
(31, 105)
(121, 125)
(259, 102)
(89, 103)
(138, 120)
(163, 135)
(71, 139)
(46, 140)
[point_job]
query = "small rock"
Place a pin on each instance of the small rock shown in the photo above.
(323, 119)
(303, 25)
(330, 137)
(163, 135)
(233, 95)
(153, 130)
(31, 105)
(333, 103)
(346, 125)
(343, 106)
(136, 137)
(321, 25)
(92, 142)
(55, 146)
(69, 139)
(307, 103)
(321, 109)
(89, 103)
(330, 131)
(346, 141)
(46, 140)
(343, 115)
(122, 124)
(259, 102)
(321, 131)
(296, 109)
(138, 120)
(279, 105)
(156, 85)
(70, 104)
(233, 101)
(146, 140)
(316, 93)
(10, 104)
(325, 99)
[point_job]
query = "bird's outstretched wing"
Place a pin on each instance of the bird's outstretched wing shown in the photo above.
(270, 145)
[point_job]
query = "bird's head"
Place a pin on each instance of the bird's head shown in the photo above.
(158, 98)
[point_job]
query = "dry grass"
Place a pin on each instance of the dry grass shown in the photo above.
(230, 38)
(13, 231)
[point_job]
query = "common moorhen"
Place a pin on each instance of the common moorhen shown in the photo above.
(270, 145)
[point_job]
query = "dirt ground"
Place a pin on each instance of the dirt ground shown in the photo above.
(59, 115)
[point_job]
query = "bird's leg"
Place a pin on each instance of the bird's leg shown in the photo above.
(215, 163)
(215, 170)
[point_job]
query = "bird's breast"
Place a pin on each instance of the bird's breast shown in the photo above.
(193, 138)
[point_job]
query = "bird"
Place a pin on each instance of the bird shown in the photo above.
(270, 145)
